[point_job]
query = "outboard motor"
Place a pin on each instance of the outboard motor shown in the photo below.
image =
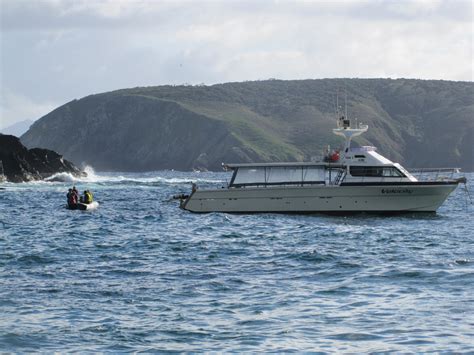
(180, 197)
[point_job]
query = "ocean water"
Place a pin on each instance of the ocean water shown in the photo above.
(139, 274)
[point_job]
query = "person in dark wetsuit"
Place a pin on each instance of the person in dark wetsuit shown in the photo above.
(74, 190)
(68, 195)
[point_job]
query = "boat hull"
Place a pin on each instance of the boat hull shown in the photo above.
(413, 197)
(84, 206)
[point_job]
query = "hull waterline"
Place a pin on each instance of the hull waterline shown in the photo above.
(84, 206)
(377, 198)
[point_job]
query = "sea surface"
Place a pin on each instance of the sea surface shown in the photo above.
(139, 274)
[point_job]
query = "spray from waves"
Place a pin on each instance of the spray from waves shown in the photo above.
(68, 177)
(62, 177)
(152, 179)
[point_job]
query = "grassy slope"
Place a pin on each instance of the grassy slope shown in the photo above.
(416, 122)
(254, 131)
(286, 120)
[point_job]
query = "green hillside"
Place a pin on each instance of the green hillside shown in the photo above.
(416, 122)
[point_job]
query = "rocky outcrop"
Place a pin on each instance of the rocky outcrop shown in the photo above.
(21, 164)
(419, 123)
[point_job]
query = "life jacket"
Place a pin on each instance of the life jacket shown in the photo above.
(334, 156)
(88, 197)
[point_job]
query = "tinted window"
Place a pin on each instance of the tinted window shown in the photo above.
(375, 171)
(392, 172)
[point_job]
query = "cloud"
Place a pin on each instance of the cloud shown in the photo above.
(58, 50)
(47, 15)
(70, 14)
(16, 108)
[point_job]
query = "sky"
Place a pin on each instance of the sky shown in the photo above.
(54, 51)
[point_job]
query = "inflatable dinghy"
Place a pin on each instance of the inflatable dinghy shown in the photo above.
(84, 206)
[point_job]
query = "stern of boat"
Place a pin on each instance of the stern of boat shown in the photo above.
(184, 199)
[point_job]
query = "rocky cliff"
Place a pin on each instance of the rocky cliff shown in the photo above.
(21, 164)
(420, 123)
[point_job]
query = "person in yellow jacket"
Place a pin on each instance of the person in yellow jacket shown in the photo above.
(88, 198)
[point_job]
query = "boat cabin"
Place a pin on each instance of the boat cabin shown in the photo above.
(364, 164)
(353, 165)
(357, 165)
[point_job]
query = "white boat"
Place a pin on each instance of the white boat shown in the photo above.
(354, 180)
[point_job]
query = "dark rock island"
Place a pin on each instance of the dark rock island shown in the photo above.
(419, 123)
(21, 164)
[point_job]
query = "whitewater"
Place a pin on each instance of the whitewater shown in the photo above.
(139, 274)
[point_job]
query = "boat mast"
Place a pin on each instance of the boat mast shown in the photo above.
(345, 100)
(344, 128)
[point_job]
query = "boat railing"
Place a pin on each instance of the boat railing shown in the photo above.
(335, 176)
(421, 174)
(282, 183)
(434, 174)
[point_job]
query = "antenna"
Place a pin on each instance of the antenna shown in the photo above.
(345, 101)
(337, 108)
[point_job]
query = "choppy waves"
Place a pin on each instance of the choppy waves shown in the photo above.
(139, 274)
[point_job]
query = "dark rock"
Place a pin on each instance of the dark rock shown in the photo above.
(21, 164)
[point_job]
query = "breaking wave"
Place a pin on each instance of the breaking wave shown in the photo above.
(61, 177)
(150, 178)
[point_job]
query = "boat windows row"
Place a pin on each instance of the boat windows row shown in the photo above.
(306, 175)
(277, 176)
(282, 176)
(375, 171)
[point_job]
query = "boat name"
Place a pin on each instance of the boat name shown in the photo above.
(397, 191)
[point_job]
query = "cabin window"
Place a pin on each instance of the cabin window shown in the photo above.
(359, 156)
(375, 171)
(313, 174)
(365, 171)
(283, 174)
(279, 175)
(392, 172)
(249, 176)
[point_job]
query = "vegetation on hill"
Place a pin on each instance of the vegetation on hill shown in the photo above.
(420, 123)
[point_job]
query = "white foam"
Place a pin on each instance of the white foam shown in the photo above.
(62, 177)
(150, 178)
(68, 177)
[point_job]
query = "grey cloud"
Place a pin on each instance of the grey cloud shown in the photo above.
(414, 11)
(58, 50)
(72, 14)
